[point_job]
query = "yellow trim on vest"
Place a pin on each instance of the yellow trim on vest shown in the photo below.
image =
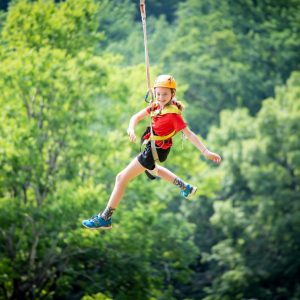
(162, 138)
(169, 109)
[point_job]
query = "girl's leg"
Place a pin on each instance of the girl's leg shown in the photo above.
(122, 179)
(187, 189)
(165, 174)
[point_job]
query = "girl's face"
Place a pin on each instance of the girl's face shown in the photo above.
(163, 95)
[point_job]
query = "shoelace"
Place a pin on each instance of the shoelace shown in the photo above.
(95, 217)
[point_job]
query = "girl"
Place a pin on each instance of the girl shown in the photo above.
(166, 122)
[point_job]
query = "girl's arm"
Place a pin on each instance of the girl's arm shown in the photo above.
(196, 141)
(133, 122)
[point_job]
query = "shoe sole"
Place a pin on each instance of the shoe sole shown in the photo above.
(101, 228)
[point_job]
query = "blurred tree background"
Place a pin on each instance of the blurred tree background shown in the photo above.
(71, 75)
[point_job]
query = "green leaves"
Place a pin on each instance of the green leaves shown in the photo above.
(72, 74)
(69, 25)
(260, 192)
(232, 54)
(61, 148)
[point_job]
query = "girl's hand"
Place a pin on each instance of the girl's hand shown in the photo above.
(131, 134)
(216, 158)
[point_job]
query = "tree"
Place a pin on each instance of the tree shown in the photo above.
(4, 4)
(47, 102)
(63, 139)
(69, 25)
(232, 54)
(259, 216)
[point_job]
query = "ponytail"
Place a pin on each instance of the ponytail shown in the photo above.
(178, 104)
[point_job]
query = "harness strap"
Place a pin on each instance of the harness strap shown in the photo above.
(162, 138)
(154, 152)
(153, 138)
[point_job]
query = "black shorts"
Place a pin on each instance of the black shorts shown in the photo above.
(145, 158)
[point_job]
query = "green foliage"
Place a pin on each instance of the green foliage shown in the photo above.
(259, 219)
(72, 74)
(4, 4)
(2, 19)
(232, 54)
(116, 19)
(98, 296)
(46, 112)
(47, 105)
(131, 45)
(56, 166)
(69, 25)
(167, 8)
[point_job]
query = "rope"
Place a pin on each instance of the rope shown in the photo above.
(143, 16)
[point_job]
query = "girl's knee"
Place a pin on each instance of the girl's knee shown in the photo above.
(121, 178)
(155, 171)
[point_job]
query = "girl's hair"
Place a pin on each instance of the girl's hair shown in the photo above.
(176, 102)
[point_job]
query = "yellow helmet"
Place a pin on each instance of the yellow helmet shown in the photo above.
(167, 81)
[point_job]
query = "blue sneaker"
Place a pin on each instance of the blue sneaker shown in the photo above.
(189, 191)
(97, 222)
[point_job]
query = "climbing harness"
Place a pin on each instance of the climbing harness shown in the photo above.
(170, 109)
